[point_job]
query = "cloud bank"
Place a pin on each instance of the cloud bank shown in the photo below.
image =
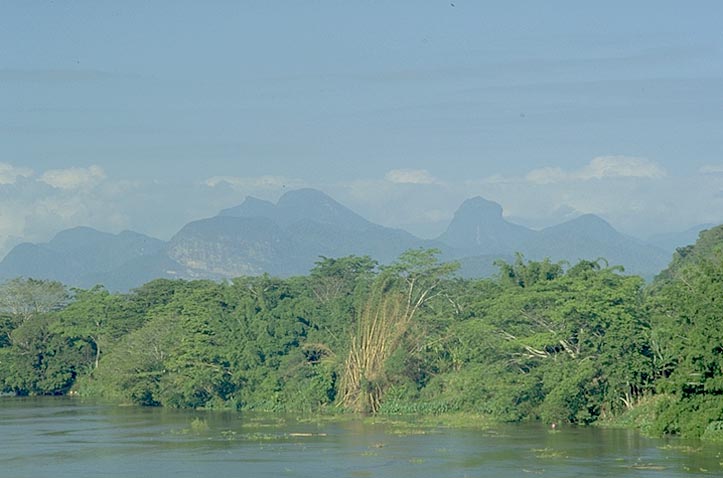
(410, 176)
(255, 184)
(9, 174)
(602, 167)
(74, 178)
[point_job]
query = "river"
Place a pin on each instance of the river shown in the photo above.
(61, 437)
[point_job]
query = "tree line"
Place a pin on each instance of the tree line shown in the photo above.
(548, 341)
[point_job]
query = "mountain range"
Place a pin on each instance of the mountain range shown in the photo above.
(286, 238)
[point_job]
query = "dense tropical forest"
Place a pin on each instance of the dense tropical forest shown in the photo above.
(576, 343)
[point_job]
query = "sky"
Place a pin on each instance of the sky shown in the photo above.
(146, 115)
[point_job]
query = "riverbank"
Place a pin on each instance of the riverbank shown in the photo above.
(651, 417)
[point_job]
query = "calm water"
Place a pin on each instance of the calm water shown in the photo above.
(65, 438)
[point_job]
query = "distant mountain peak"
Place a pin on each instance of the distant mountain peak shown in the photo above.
(478, 225)
(79, 231)
(251, 207)
(83, 256)
(670, 241)
(480, 209)
(588, 225)
(300, 205)
(252, 201)
(590, 218)
(305, 194)
(314, 205)
(78, 237)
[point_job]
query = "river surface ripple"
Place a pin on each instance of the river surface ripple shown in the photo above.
(60, 437)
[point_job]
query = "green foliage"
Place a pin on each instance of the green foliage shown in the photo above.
(709, 242)
(34, 359)
(526, 274)
(7, 325)
(573, 393)
(24, 298)
(332, 279)
(561, 346)
(95, 316)
(686, 309)
(687, 417)
(41, 362)
(714, 431)
(579, 344)
(386, 331)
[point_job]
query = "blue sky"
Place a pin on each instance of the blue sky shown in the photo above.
(145, 115)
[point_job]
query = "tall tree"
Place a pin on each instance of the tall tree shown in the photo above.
(96, 316)
(24, 298)
(688, 343)
(398, 294)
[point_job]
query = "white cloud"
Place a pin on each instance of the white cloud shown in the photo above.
(74, 178)
(9, 173)
(602, 167)
(420, 208)
(711, 169)
(547, 176)
(494, 179)
(622, 167)
(410, 176)
(37, 208)
(634, 194)
(255, 183)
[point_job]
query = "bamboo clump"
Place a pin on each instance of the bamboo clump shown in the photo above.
(381, 326)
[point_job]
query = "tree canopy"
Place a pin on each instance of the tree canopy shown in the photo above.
(551, 341)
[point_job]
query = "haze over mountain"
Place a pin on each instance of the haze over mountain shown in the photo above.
(298, 206)
(479, 231)
(670, 241)
(284, 239)
(478, 226)
(707, 245)
(287, 237)
(83, 257)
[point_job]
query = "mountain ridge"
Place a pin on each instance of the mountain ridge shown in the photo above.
(287, 237)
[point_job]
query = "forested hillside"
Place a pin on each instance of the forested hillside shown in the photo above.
(561, 343)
